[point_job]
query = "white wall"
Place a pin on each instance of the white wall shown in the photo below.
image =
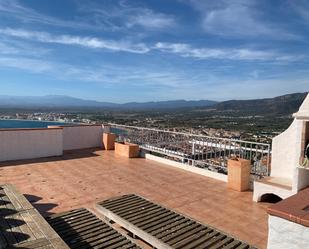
(18, 144)
(82, 136)
(186, 167)
(286, 234)
(302, 178)
(286, 150)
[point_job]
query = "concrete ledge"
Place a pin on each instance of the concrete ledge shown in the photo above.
(261, 188)
(203, 172)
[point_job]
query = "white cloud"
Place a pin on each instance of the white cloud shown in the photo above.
(123, 15)
(15, 9)
(148, 19)
(185, 50)
(181, 49)
(302, 8)
(14, 47)
(238, 18)
(89, 42)
(167, 83)
(27, 64)
(107, 75)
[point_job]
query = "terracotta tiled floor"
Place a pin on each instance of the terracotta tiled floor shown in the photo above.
(82, 178)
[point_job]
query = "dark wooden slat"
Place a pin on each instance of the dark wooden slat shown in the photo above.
(67, 214)
(185, 236)
(164, 224)
(233, 245)
(148, 221)
(87, 234)
(116, 199)
(123, 201)
(71, 219)
(84, 230)
(243, 246)
(201, 242)
(119, 244)
(173, 230)
(212, 241)
(127, 209)
(161, 227)
(129, 206)
(79, 227)
(75, 221)
(149, 214)
(176, 235)
(227, 240)
(138, 211)
(95, 239)
(201, 239)
(189, 240)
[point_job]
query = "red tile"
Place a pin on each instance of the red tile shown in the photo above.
(82, 178)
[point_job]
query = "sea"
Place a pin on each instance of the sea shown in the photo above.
(10, 123)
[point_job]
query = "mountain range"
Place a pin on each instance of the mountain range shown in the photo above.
(285, 104)
(59, 101)
(282, 105)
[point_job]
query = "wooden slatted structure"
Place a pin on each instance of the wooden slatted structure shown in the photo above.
(81, 229)
(163, 228)
(21, 225)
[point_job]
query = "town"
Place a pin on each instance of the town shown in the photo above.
(252, 128)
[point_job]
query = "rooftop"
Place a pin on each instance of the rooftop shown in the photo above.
(81, 178)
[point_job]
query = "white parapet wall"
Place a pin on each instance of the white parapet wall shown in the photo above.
(286, 234)
(186, 167)
(287, 150)
(81, 136)
(19, 144)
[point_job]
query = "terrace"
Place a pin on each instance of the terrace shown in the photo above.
(81, 178)
(65, 167)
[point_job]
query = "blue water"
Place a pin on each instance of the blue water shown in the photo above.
(26, 124)
(118, 131)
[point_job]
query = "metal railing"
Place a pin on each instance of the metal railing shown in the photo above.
(200, 151)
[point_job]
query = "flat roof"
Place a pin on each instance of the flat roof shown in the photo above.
(83, 178)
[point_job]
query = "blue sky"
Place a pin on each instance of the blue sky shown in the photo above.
(133, 50)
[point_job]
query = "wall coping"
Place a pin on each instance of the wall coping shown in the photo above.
(295, 208)
(32, 129)
(72, 126)
(50, 127)
(190, 168)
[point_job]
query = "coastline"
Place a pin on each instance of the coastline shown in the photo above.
(32, 120)
(27, 123)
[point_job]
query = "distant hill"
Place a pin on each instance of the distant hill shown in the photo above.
(282, 105)
(59, 101)
(49, 101)
(285, 104)
(171, 104)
